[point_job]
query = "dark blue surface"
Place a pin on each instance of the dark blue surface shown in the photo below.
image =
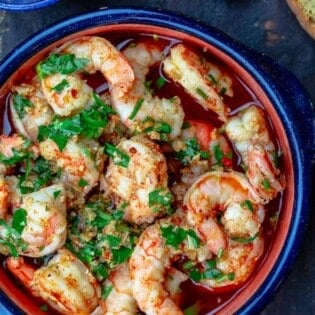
(25, 5)
(283, 89)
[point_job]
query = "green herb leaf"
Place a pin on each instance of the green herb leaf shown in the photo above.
(192, 149)
(160, 82)
(247, 204)
(112, 241)
(161, 197)
(136, 109)
(201, 93)
(245, 240)
(121, 255)
(119, 157)
(44, 308)
(106, 290)
(19, 220)
(63, 64)
(56, 193)
(212, 78)
(20, 103)
(100, 272)
(195, 275)
(266, 184)
(173, 235)
(188, 265)
(223, 91)
(60, 86)
(82, 182)
(192, 310)
(193, 239)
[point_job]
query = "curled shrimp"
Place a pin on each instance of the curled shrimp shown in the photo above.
(103, 57)
(151, 263)
(120, 300)
(64, 283)
(249, 132)
(29, 109)
(139, 107)
(79, 169)
(131, 184)
(223, 207)
(46, 224)
(200, 79)
(73, 96)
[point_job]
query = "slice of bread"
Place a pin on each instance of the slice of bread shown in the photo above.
(305, 13)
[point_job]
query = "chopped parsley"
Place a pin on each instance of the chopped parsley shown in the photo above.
(44, 174)
(136, 109)
(44, 308)
(56, 193)
(160, 199)
(223, 91)
(106, 290)
(212, 78)
(20, 103)
(159, 126)
(160, 82)
(192, 310)
(99, 238)
(60, 63)
(83, 182)
(119, 157)
(247, 204)
(174, 236)
(266, 184)
(210, 271)
(192, 149)
(88, 123)
(11, 238)
(202, 93)
(221, 158)
(60, 86)
(245, 240)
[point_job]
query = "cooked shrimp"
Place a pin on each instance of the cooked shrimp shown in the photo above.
(103, 57)
(131, 184)
(29, 109)
(228, 194)
(200, 79)
(139, 105)
(73, 95)
(14, 149)
(148, 264)
(249, 132)
(80, 171)
(64, 283)
(223, 208)
(236, 262)
(120, 300)
(46, 224)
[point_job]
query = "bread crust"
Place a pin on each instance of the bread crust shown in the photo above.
(302, 17)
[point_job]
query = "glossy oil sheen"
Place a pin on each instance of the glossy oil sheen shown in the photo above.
(270, 84)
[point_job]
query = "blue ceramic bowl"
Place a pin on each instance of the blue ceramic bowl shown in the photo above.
(25, 5)
(285, 101)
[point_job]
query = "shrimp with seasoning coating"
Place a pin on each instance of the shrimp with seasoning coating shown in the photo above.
(135, 107)
(132, 184)
(64, 283)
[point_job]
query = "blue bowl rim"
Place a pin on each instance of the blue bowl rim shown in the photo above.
(282, 88)
(26, 7)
